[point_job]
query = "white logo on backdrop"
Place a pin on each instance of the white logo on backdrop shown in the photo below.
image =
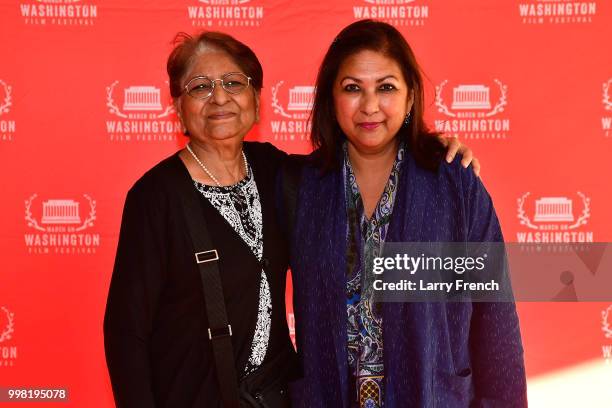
(137, 99)
(60, 212)
(225, 13)
(606, 121)
(557, 11)
(292, 109)
(554, 209)
(606, 95)
(301, 99)
(58, 12)
(474, 111)
(606, 322)
(6, 101)
(554, 219)
(396, 12)
(472, 97)
(9, 327)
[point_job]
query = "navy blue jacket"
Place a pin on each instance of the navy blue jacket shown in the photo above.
(435, 354)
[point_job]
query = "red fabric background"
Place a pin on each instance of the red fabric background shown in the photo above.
(547, 78)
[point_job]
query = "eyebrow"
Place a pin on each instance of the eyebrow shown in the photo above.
(378, 80)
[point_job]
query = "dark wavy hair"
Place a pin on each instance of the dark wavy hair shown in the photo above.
(326, 135)
(187, 47)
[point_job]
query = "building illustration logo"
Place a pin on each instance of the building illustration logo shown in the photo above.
(557, 12)
(7, 125)
(59, 12)
(61, 226)
(474, 111)
(225, 13)
(291, 121)
(395, 12)
(554, 219)
(138, 114)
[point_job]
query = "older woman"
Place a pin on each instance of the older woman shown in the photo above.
(196, 307)
(380, 172)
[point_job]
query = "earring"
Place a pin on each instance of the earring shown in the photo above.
(407, 119)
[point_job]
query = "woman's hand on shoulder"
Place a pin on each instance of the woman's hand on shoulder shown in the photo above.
(454, 146)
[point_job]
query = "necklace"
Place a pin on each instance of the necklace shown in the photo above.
(213, 178)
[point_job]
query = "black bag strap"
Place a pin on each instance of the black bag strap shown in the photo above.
(206, 258)
(292, 173)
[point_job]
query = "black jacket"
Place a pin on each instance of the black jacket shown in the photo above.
(155, 326)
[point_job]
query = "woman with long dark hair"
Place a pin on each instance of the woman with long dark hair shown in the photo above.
(377, 176)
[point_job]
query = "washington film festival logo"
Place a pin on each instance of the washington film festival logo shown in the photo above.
(292, 106)
(7, 125)
(8, 350)
(59, 12)
(557, 11)
(606, 119)
(61, 226)
(138, 114)
(473, 111)
(225, 13)
(395, 12)
(554, 219)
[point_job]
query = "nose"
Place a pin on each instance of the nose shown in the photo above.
(219, 96)
(369, 103)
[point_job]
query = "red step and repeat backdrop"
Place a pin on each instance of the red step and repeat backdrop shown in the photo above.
(85, 110)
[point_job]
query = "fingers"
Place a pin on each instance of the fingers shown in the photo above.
(476, 167)
(453, 145)
(468, 156)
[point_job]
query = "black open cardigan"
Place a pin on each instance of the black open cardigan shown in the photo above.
(155, 326)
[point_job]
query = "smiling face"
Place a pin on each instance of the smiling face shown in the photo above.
(222, 116)
(371, 100)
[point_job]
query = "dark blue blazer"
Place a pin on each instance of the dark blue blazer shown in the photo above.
(435, 354)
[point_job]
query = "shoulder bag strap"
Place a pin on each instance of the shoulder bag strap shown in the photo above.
(206, 258)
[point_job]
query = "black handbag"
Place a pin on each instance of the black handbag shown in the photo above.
(266, 387)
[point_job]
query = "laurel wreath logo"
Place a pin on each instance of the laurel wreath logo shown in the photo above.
(606, 324)
(606, 95)
(278, 108)
(7, 102)
(33, 223)
(582, 220)
(10, 326)
(498, 108)
(114, 109)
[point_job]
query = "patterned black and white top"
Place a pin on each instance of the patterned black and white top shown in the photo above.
(239, 204)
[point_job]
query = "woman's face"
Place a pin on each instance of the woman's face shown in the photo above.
(371, 100)
(222, 116)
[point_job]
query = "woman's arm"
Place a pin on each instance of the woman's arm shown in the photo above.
(132, 298)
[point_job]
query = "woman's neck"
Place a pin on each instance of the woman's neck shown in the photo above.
(373, 162)
(372, 170)
(223, 160)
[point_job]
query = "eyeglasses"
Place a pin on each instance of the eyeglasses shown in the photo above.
(202, 87)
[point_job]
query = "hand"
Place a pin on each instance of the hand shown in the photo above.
(454, 146)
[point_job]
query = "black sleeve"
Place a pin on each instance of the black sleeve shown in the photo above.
(133, 295)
